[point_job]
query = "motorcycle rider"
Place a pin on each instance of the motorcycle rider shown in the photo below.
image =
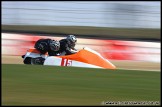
(67, 45)
(55, 48)
(46, 45)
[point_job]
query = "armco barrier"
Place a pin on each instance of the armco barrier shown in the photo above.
(17, 44)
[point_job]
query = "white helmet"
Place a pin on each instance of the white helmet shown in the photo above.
(54, 45)
(71, 39)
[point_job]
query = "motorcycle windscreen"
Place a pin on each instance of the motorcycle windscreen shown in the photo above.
(90, 57)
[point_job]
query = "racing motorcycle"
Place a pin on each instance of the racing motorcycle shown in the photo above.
(85, 57)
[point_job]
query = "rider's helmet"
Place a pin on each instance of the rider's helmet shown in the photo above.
(71, 40)
(54, 45)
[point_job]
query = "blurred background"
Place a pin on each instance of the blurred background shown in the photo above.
(74, 13)
(121, 31)
(127, 33)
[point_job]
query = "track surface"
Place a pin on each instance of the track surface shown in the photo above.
(150, 66)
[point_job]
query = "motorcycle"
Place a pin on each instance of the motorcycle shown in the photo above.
(85, 57)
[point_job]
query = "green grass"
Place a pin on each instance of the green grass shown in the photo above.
(97, 32)
(47, 85)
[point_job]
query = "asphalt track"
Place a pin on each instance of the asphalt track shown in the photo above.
(132, 65)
